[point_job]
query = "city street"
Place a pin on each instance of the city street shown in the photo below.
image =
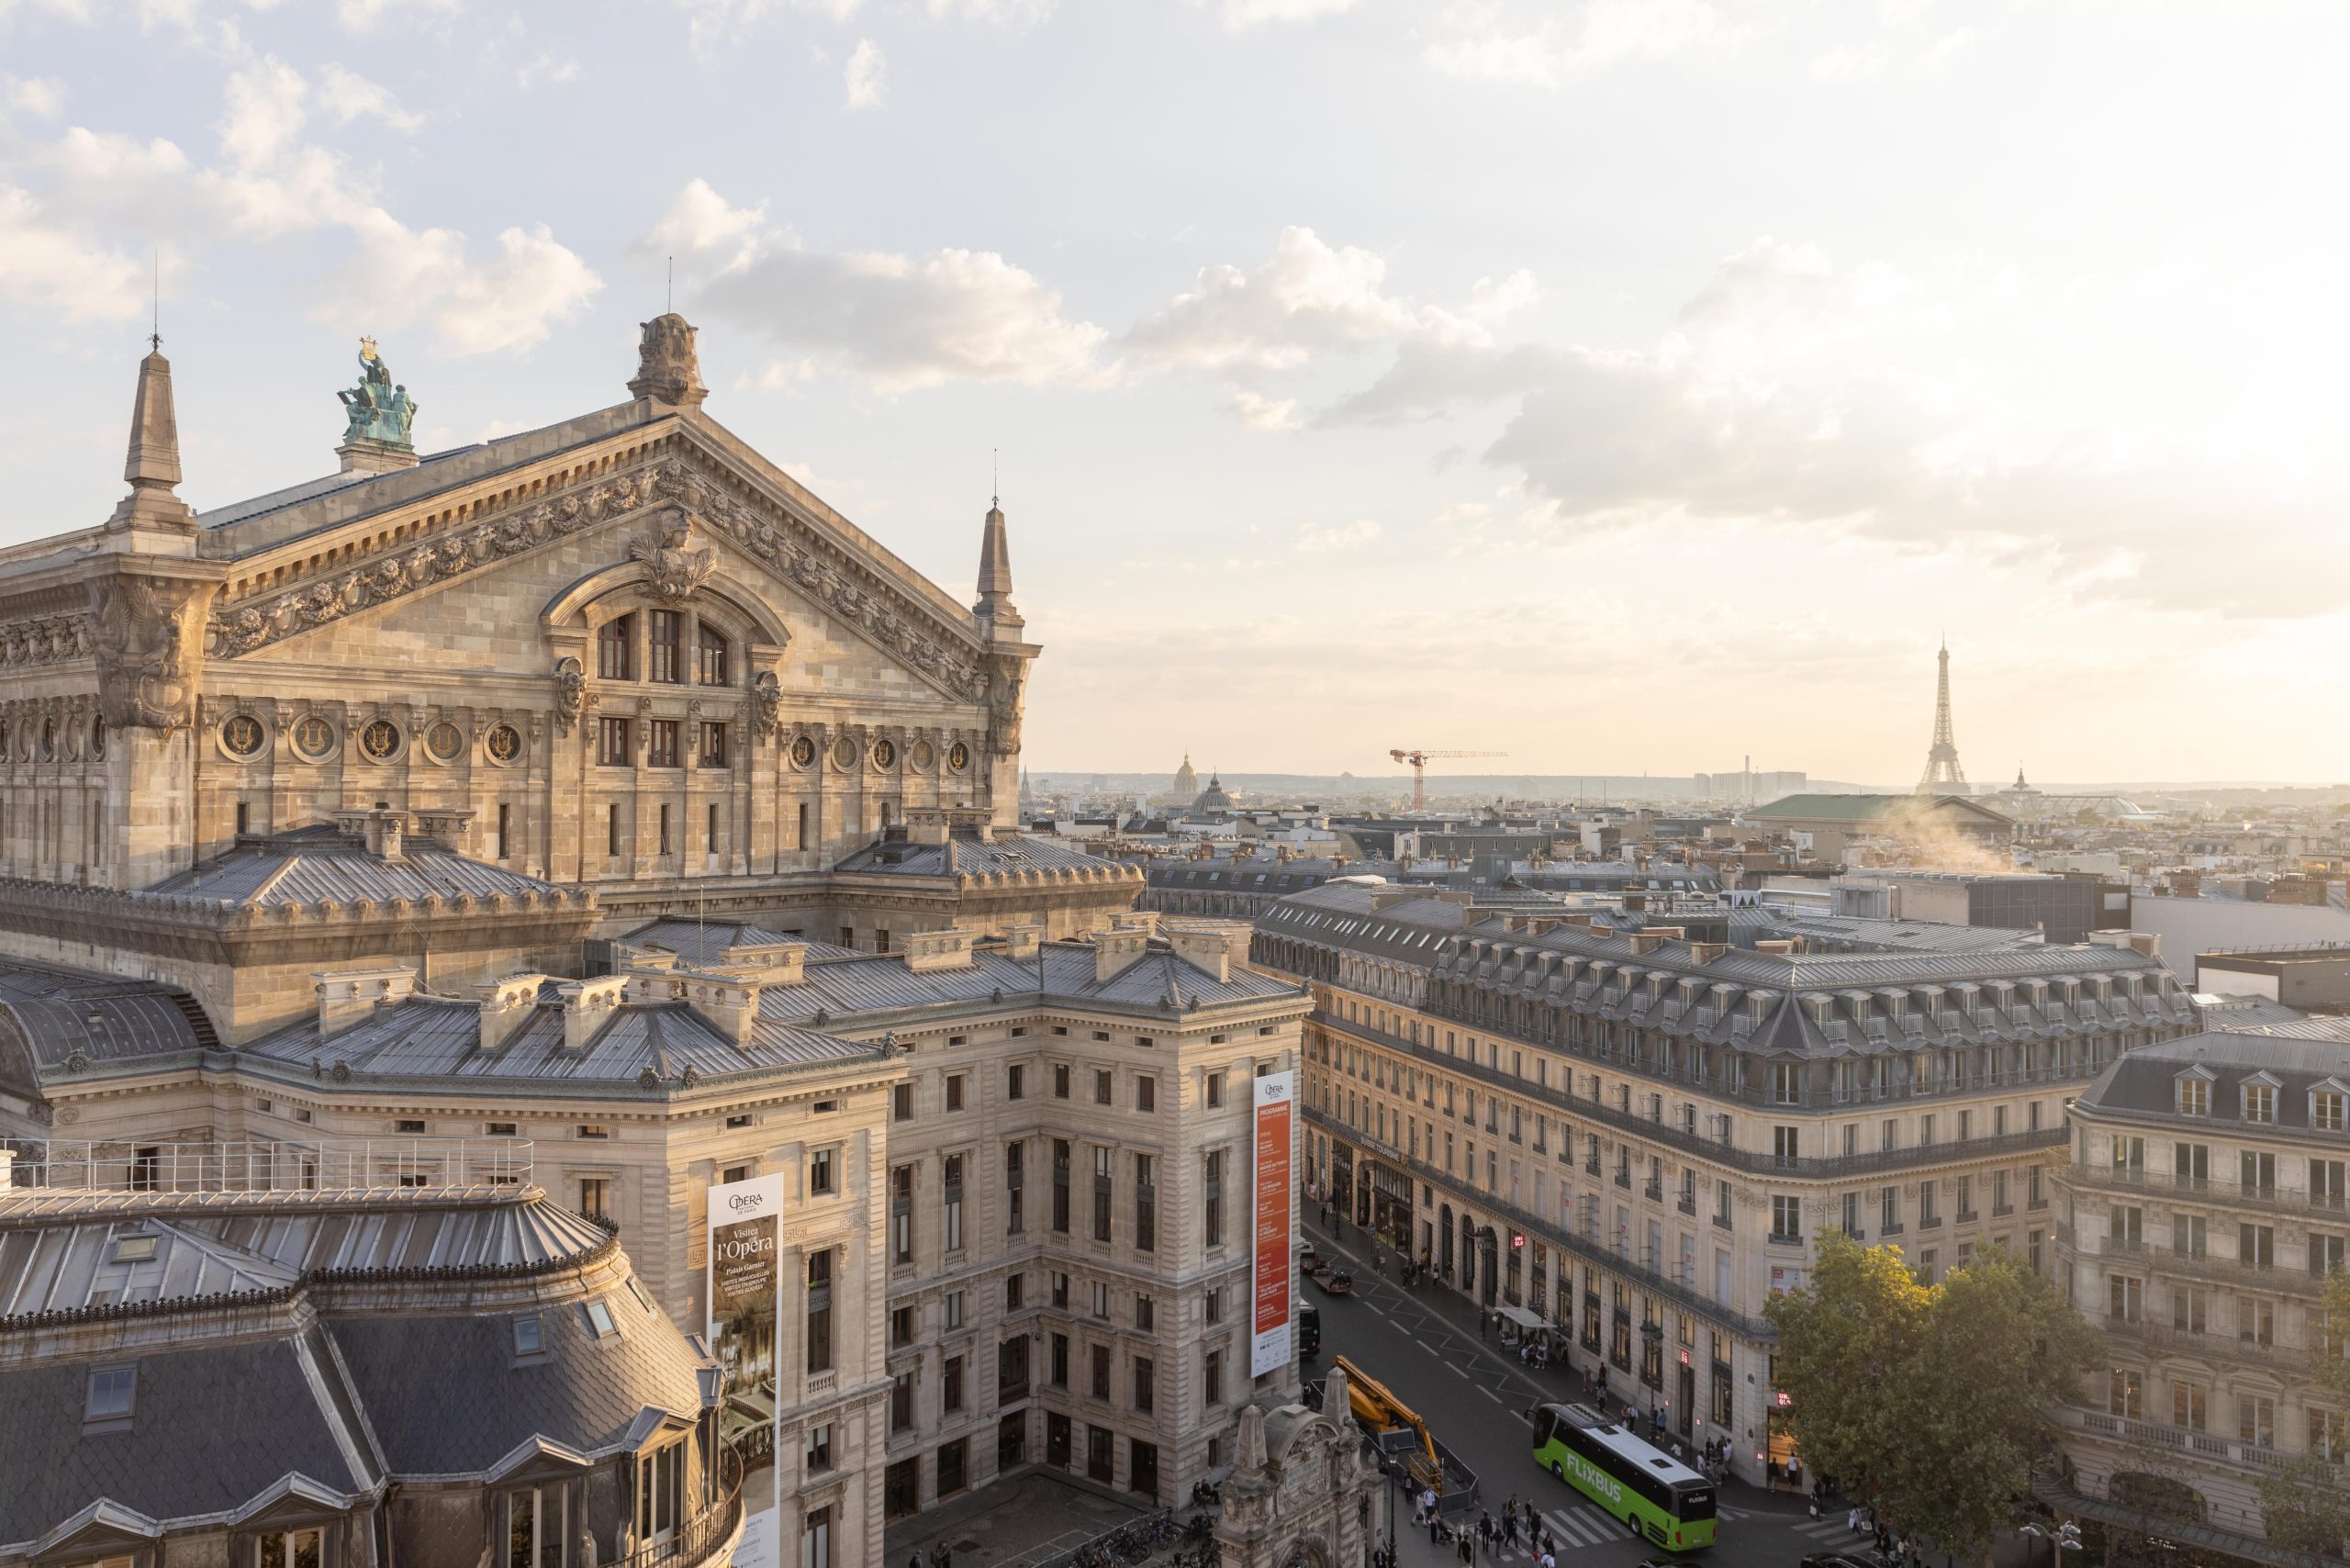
(1424, 1345)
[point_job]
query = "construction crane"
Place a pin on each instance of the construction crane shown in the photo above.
(1383, 1412)
(1419, 761)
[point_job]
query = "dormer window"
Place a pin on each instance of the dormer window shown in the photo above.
(2327, 1108)
(530, 1336)
(111, 1393)
(2260, 1102)
(2194, 1096)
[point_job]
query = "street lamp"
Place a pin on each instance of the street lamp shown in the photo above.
(2065, 1538)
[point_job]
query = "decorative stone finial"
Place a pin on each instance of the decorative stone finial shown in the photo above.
(1250, 1456)
(995, 572)
(1336, 1403)
(152, 462)
(667, 370)
(381, 417)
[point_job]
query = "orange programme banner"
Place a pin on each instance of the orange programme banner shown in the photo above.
(1275, 1293)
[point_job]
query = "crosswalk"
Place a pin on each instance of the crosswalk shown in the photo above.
(1583, 1525)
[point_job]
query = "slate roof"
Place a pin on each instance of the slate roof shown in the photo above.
(433, 1387)
(212, 1428)
(432, 1038)
(50, 1017)
(321, 862)
(705, 942)
(2146, 1079)
(1261, 874)
(970, 856)
(874, 983)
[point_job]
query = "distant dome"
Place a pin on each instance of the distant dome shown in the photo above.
(1213, 798)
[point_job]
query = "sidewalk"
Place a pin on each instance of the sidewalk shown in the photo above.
(1562, 1383)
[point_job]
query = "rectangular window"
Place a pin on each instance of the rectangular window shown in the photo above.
(1101, 1089)
(2257, 1172)
(612, 640)
(1060, 1185)
(1101, 1386)
(505, 831)
(611, 744)
(1101, 1194)
(951, 1219)
(596, 1197)
(1145, 1204)
(2194, 1096)
(665, 827)
(713, 658)
(709, 831)
(2260, 1102)
(1146, 1093)
(950, 1384)
(902, 1101)
(901, 1402)
(2326, 1110)
(1015, 1193)
(901, 1215)
(1060, 1360)
(1786, 1218)
(816, 1533)
(661, 644)
(1015, 1082)
(1146, 1379)
(953, 1090)
(1211, 1379)
(819, 1311)
(1212, 1208)
(712, 752)
(1214, 1084)
(661, 742)
(1060, 1081)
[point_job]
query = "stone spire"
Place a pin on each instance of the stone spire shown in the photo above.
(153, 464)
(995, 571)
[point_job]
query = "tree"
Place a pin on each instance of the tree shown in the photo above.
(2330, 1357)
(2303, 1509)
(1843, 1336)
(1927, 1399)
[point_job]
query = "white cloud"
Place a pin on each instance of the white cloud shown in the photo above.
(1308, 297)
(1004, 13)
(545, 69)
(366, 16)
(712, 23)
(272, 184)
(1237, 14)
(43, 97)
(52, 268)
(898, 322)
(65, 10)
(1548, 46)
(347, 96)
(1278, 416)
(1326, 537)
(863, 77)
(700, 223)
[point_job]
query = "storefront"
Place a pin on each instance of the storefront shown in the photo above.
(1391, 1205)
(1783, 1468)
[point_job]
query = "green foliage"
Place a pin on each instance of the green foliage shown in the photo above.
(1927, 1399)
(2330, 1357)
(2303, 1509)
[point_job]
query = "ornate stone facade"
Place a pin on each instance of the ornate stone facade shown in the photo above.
(625, 651)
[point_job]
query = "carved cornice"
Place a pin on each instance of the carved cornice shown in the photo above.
(943, 653)
(45, 639)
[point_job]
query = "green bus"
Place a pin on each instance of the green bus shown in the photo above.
(1649, 1490)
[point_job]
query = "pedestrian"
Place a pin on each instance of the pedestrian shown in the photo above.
(1468, 1550)
(940, 1556)
(1436, 1528)
(916, 1561)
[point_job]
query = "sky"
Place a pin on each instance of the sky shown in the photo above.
(1624, 386)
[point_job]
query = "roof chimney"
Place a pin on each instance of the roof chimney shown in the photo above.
(1207, 948)
(588, 1006)
(503, 1004)
(1020, 941)
(729, 1007)
(352, 996)
(1114, 949)
(927, 951)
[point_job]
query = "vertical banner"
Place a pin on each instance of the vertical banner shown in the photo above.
(1272, 1194)
(745, 1250)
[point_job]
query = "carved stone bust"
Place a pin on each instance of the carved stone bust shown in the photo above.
(667, 370)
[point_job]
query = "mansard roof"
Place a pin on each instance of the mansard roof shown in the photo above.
(981, 855)
(2144, 1081)
(59, 1023)
(1157, 978)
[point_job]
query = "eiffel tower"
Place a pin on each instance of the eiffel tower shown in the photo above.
(1943, 776)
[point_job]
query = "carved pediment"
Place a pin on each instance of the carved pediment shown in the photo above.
(678, 501)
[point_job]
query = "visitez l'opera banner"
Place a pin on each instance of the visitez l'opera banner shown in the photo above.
(745, 1279)
(1274, 1297)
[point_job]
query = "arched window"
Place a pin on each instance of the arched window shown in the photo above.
(712, 656)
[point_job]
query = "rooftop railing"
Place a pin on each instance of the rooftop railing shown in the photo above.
(215, 1173)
